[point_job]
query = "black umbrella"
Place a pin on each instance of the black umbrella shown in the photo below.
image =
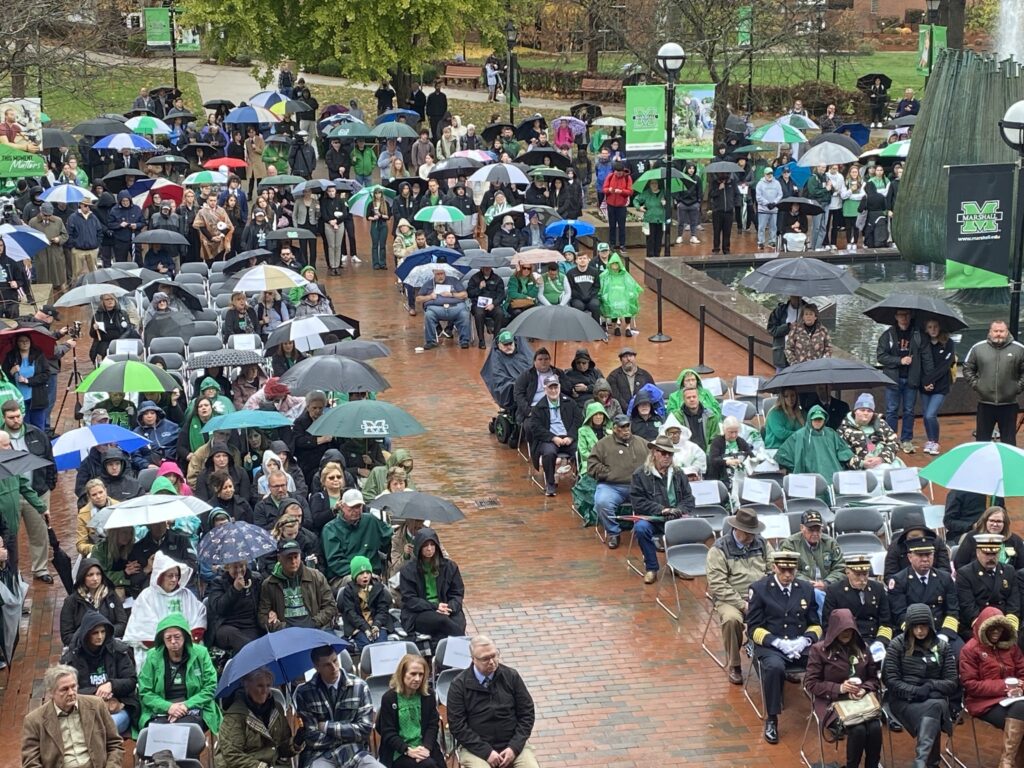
(333, 372)
(413, 505)
(139, 112)
(111, 276)
(100, 126)
(525, 129)
(903, 122)
(546, 213)
(179, 114)
(864, 82)
(837, 138)
(224, 358)
(545, 156)
(800, 277)
(61, 561)
(548, 172)
(609, 144)
(182, 292)
(834, 372)
(169, 325)
(494, 129)
(321, 326)
(112, 116)
(518, 218)
(55, 137)
(167, 160)
(586, 111)
(280, 138)
(291, 233)
(192, 148)
(723, 166)
(356, 349)
(349, 185)
(736, 124)
(161, 237)
(160, 89)
(454, 167)
(218, 103)
(556, 323)
(241, 261)
(123, 175)
(924, 308)
(477, 258)
(14, 463)
(807, 206)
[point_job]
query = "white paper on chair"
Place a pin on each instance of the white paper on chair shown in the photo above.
(735, 409)
(746, 386)
(167, 736)
(384, 658)
(714, 386)
(245, 341)
(757, 491)
(705, 492)
(853, 484)
(802, 486)
(933, 516)
(456, 653)
(904, 480)
(775, 526)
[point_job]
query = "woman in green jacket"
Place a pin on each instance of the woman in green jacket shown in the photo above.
(595, 426)
(785, 418)
(651, 202)
(620, 295)
(255, 732)
(276, 154)
(522, 291)
(177, 681)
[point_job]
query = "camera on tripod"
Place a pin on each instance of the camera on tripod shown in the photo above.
(8, 211)
(75, 331)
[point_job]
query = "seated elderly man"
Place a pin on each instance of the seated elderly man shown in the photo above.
(552, 430)
(528, 389)
(864, 598)
(443, 300)
(612, 462)
(657, 490)
(821, 559)
(269, 508)
(353, 533)
(294, 595)
(738, 558)
(505, 363)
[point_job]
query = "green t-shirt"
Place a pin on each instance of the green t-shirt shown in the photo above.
(410, 729)
(430, 585)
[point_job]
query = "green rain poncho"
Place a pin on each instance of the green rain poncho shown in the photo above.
(377, 481)
(821, 451)
(711, 405)
(619, 292)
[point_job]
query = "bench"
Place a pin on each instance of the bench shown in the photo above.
(595, 85)
(462, 72)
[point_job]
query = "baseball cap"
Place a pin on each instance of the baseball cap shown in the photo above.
(626, 351)
(621, 420)
(352, 498)
(811, 517)
(549, 380)
(52, 311)
(288, 546)
(603, 247)
(506, 337)
(99, 416)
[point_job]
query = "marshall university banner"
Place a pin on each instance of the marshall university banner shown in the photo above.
(979, 212)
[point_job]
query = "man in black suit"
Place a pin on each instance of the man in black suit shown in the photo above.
(551, 429)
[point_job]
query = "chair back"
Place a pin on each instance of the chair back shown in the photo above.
(687, 530)
(205, 328)
(858, 520)
(205, 344)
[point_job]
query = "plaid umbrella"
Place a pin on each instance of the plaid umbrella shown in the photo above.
(236, 542)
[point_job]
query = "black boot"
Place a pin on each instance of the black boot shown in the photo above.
(927, 741)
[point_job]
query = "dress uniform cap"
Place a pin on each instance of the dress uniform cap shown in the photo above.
(988, 540)
(785, 557)
(921, 545)
(858, 562)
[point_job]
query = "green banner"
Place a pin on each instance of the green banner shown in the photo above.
(694, 121)
(928, 46)
(158, 27)
(745, 27)
(15, 164)
(978, 224)
(645, 118)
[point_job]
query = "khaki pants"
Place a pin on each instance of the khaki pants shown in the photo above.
(525, 759)
(84, 262)
(35, 527)
(731, 622)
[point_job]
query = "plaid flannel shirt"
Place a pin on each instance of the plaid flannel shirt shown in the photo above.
(349, 722)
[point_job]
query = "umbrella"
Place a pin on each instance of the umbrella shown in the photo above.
(494, 129)
(556, 323)
(992, 469)
(658, 175)
(55, 137)
(193, 147)
(798, 174)
(61, 563)
(155, 508)
(241, 261)
(807, 206)
(177, 290)
(924, 308)
(236, 542)
(453, 167)
(333, 373)
(313, 185)
(282, 180)
(427, 255)
(525, 129)
(100, 126)
(837, 138)
(476, 154)
(40, 339)
(413, 505)
(290, 107)
(167, 160)
(827, 153)
(253, 115)
(392, 115)
(161, 237)
(247, 418)
(518, 214)
(856, 131)
(750, 149)
(577, 126)
(394, 131)
(736, 124)
(723, 166)
(266, 99)
(361, 199)
(119, 141)
(279, 138)
(179, 114)
(218, 103)
(538, 156)
(297, 233)
(67, 193)
(368, 419)
(864, 82)
(499, 174)
(71, 448)
(476, 258)
(609, 122)
(581, 228)
(169, 325)
(334, 110)
(800, 122)
(898, 150)
(903, 122)
(356, 349)
(349, 131)
(832, 371)
(14, 463)
(224, 358)
(86, 294)
(419, 276)
(545, 212)
(307, 327)
(121, 174)
(205, 177)
(111, 276)
(285, 652)
(22, 242)
(233, 163)
(439, 214)
(265, 277)
(778, 133)
(142, 191)
(13, 591)
(128, 376)
(547, 172)
(149, 126)
(800, 277)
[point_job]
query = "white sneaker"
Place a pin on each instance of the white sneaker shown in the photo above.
(679, 240)
(694, 241)
(935, 449)
(356, 260)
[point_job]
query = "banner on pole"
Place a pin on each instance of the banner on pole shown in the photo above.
(978, 214)
(745, 27)
(936, 40)
(645, 118)
(694, 121)
(158, 31)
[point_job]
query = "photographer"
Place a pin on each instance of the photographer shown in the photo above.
(301, 156)
(42, 319)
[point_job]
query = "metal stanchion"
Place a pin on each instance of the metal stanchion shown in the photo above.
(660, 337)
(701, 368)
(750, 355)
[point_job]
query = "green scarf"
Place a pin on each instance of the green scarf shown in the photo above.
(409, 721)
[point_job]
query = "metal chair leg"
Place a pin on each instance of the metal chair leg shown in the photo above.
(754, 668)
(630, 565)
(668, 572)
(707, 628)
(813, 719)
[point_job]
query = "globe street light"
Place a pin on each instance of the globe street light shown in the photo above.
(1011, 130)
(511, 80)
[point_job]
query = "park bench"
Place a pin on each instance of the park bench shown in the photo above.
(595, 86)
(462, 72)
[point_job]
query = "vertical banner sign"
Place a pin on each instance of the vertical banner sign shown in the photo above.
(745, 25)
(158, 27)
(978, 215)
(645, 118)
(694, 121)
(936, 40)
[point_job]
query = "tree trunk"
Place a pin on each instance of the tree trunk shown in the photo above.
(721, 109)
(18, 81)
(593, 48)
(956, 11)
(401, 81)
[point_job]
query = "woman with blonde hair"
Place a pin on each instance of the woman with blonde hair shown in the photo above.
(408, 721)
(784, 418)
(377, 214)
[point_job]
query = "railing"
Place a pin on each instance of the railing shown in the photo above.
(752, 341)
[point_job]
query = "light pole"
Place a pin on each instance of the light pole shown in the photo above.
(1011, 129)
(933, 16)
(511, 80)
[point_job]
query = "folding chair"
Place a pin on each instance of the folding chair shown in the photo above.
(193, 749)
(812, 717)
(907, 496)
(898, 518)
(222, 300)
(686, 553)
(196, 268)
(196, 282)
(850, 478)
(175, 363)
(747, 389)
(164, 344)
(216, 268)
(715, 385)
(204, 344)
(206, 313)
(245, 341)
(802, 504)
(857, 530)
(506, 253)
(755, 669)
(448, 665)
(536, 474)
(377, 679)
(775, 496)
(205, 328)
(667, 387)
(469, 243)
(707, 628)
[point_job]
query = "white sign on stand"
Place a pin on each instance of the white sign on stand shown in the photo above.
(161, 736)
(705, 492)
(802, 486)
(904, 480)
(775, 526)
(456, 653)
(757, 491)
(746, 386)
(714, 386)
(853, 483)
(384, 657)
(734, 408)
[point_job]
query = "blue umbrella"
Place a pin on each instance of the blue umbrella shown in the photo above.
(427, 256)
(285, 653)
(21, 242)
(393, 114)
(71, 448)
(250, 115)
(119, 141)
(856, 131)
(67, 193)
(235, 542)
(581, 228)
(798, 173)
(267, 99)
(247, 419)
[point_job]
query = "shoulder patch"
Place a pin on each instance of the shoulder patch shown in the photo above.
(892, 583)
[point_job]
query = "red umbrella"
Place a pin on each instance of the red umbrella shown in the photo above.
(167, 190)
(44, 342)
(215, 163)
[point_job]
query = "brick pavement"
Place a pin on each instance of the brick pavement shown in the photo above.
(616, 681)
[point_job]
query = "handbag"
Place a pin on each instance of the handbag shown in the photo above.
(856, 711)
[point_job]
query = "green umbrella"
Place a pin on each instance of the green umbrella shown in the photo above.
(439, 214)
(349, 131)
(751, 148)
(898, 150)
(778, 133)
(366, 418)
(15, 164)
(394, 130)
(205, 177)
(658, 174)
(993, 469)
(284, 180)
(128, 376)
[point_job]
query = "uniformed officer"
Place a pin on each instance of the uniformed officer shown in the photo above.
(922, 583)
(985, 581)
(864, 598)
(782, 621)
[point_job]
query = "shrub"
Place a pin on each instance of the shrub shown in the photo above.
(329, 68)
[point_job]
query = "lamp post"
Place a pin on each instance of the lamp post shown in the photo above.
(511, 79)
(933, 16)
(1011, 130)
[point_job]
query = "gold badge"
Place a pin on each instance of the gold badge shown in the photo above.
(803, 603)
(1006, 585)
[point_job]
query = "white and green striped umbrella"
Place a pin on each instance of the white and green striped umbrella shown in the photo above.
(898, 149)
(205, 177)
(993, 469)
(147, 125)
(359, 202)
(778, 133)
(439, 214)
(799, 122)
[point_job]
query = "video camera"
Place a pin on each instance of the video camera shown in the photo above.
(75, 331)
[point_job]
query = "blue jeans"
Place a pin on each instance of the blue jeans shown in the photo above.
(35, 416)
(607, 499)
(456, 313)
(901, 398)
(766, 224)
(364, 180)
(361, 640)
(819, 225)
(645, 532)
(122, 721)
(930, 405)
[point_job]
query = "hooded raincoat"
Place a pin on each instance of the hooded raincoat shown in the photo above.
(377, 481)
(985, 665)
(423, 591)
(820, 451)
(619, 292)
(111, 663)
(688, 456)
(711, 405)
(104, 600)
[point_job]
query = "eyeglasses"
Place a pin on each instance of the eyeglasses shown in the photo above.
(279, 485)
(488, 658)
(334, 477)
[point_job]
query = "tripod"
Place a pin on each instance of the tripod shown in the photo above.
(74, 379)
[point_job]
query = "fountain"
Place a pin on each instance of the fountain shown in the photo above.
(1010, 35)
